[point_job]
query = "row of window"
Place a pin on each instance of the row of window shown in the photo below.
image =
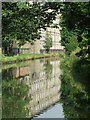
(43, 104)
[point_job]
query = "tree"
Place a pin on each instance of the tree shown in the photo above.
(22, 21)
(75, 18)
(69, 39)
(48, 41)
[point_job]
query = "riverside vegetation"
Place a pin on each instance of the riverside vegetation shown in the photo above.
(75, 63)
(75, 91)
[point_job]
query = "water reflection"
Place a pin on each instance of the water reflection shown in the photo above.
(55, 111)
(75, 95)
(15, 96)
(48, 69)
(30, 89)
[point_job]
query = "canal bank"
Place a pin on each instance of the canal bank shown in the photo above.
(25, 57)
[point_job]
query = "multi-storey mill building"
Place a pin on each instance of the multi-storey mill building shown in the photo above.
(55, 34)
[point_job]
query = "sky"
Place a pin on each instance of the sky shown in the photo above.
(55, 111)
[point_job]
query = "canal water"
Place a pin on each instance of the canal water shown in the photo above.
(38, 89)
(32, 90)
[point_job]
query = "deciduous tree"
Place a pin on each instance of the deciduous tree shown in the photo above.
(48, 41)
(21, 21)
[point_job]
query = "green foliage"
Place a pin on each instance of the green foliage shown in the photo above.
(48, 41)
(69, 39)
(75, 91)
(21, 21)
(72, 43)
(73, 53)
(74, 20)
(76, 15)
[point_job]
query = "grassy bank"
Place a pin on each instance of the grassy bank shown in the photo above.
(25, 57)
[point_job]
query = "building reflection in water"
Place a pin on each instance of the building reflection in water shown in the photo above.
(42, 78)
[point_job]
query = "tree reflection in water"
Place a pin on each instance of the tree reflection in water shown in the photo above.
(15, 96)
(48, 69)
(75, 93)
